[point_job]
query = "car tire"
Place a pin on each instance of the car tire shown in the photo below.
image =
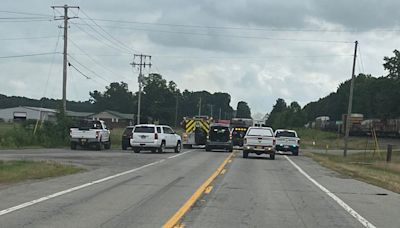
(295, 152)
(161, 149)
(245, 154)
(136, 150)
(98, 145)
(230, 149)
(178, 147)
(73, 146)
(272, 156)
(107, 145)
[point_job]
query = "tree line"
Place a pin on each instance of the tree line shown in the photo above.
(374, 97)
(161, 101)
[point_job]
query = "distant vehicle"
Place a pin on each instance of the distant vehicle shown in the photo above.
(126, 137)
(155, 138)
(259, 140)
(219, 138)
(196, 131)
(90, 133)
(239, 127)
(287, 140)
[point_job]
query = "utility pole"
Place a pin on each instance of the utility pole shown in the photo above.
(200, 107)
(65, 61)
(211, 107)
(176, 111)
(141, 64)
(349, 108)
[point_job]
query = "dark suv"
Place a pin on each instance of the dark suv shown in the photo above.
(219, 137)
(126, 137)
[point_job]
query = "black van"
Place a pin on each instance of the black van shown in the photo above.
(219, 137)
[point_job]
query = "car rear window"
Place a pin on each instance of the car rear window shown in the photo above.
(259, 132)
(144, 129)
(285, 134)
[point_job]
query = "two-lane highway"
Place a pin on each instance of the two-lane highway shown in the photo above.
(122, 189)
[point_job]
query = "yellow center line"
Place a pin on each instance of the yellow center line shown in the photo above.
(223, 172)
(208, 189)
(196, 195)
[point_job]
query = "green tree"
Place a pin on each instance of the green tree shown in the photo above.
(243, 110)
(392, 64)
(117, 97)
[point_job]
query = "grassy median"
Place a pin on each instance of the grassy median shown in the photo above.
(16, 171)
(368, 167)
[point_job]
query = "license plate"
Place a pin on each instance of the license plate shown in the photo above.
(259, 147)
(83, 141)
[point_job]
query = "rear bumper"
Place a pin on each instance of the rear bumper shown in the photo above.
(84, 140)
(254, 149)
(219, 145)
(147, 145)
(287, 148)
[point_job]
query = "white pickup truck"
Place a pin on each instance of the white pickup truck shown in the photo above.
(90, 133)
(259, 140)
(287, 140)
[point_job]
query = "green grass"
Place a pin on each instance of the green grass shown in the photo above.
(368, 167)
(317, 139)
(116, 136)
(6, 127)
(16, 171)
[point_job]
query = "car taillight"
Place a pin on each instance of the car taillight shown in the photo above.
(97, 134)
(155, 136)
(230, 136)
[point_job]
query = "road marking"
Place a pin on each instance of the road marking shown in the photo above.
(345, 206)
(208, 189)
(196, 195)
(36, 201)
(223, 172)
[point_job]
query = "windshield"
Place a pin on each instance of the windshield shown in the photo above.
(259, 132)
(285, 134)
(144, 129)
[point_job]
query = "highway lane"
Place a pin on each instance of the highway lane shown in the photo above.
(254, 192)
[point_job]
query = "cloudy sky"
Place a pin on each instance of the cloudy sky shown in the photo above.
(256, 50)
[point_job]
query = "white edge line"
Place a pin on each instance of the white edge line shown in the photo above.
(57, 194)
(345, 206)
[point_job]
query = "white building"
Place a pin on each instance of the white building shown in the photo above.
(27, 113)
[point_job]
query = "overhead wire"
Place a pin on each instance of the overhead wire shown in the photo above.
(87, 68)
(123, 45)
(29, 38)
(232, 36)
(28, 55)
(93, 60)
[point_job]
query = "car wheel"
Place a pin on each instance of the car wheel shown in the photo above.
(161, 149)
(107, 146)
(295, 152)
(98, 146)
(230, 149)
(272, 156)
(245, 154)
(136, 150)
(73, 146)
(178, 147)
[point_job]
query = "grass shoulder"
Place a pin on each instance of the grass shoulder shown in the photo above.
(364, 167)
(21, 170)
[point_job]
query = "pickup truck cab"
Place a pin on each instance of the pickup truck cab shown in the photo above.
(287, 140)
(259, 140)
(90, 133)
(155, 138)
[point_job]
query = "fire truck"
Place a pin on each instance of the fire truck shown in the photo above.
(239, 127)
(196, 131)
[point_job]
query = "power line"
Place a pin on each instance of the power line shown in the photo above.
(111, 36)
(29, 38)
(93, 60)
(24, 13)
(84, 75)
(23, 21)
(87, 68)
(28, 55)
(232, 36)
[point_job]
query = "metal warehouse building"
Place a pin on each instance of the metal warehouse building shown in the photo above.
(27, 113)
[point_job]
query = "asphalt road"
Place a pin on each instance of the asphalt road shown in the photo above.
(148, 189)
